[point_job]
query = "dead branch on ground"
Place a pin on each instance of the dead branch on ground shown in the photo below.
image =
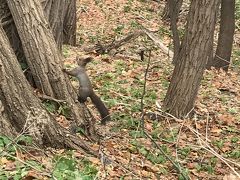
(103, 49)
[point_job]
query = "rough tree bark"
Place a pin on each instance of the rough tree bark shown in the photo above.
(173, 12)
(11, 31)
(192, 58)
(25, 109)
(42, 54)
(5, 126)
(167, 9)
(225, 38)
(54, 11)
(61, 15)
(70, 23)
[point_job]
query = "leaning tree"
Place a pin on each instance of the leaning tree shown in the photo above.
(192, 58)
(19, 105)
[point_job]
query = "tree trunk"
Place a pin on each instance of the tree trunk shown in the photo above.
(25, 109)
(192, 58)
(70, 23)
(225, 39)
(12, 34)
(11, 31)
(54, 11)
(5, 126)
(167, 9)
(61, 14)
(42, 54)
(173, 9)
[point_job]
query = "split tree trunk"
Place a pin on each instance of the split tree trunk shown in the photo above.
(192, 58)
(42, 54)
(25, 109)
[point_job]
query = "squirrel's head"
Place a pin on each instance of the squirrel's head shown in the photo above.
(83, 61)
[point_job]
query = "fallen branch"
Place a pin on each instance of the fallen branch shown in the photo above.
(45, 97)
(157, 41)
(115, 44)
(102, 49)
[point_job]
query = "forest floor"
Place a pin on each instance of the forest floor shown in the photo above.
(205, 147)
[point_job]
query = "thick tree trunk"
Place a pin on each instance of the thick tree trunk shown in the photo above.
(192, 58)
(11, 31)
(70, 23)
(225, 39)
(61, 15)
(54, 11)
(5, 126)
(42, 54)
(25, 109)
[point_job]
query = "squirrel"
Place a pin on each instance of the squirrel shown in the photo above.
(86, 90)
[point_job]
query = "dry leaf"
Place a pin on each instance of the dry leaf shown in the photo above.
(231, 177)
(216, 130)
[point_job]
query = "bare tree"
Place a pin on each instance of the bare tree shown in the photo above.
(192, 58)
(225, 38)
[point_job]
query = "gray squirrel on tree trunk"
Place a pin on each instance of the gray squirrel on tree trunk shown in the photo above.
(85, 88)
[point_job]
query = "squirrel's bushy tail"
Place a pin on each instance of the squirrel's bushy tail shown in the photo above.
(101, 108)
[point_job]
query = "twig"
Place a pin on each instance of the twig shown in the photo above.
(168, 114)
(124, 56)
(177, 141)
(208, 148)
(206, 135)
(28, 164)
(45, 97)
(144, 91)
(23, 131)
(177, 166)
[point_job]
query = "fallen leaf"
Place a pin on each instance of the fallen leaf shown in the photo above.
(216, 130)
(230, 177)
